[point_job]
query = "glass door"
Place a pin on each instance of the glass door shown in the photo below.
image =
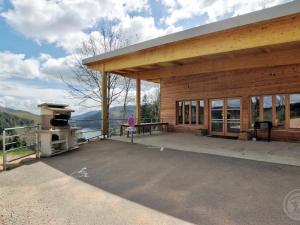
(217, 117)
(225, 116)
(233, 116)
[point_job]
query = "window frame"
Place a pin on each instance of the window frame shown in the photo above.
(190, 112)
(177, 112)
(198, 112)
(251, 110)
(289, 113)
(184, 106)
(274, 112)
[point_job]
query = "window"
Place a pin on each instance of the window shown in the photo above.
(255, 108)
(217, 115)
(193, 112)
(295, 111)
(280, 110)
(267, 108)
(280, 105)
(187, 112)
(201, 112)
(233, 115)
(179, 113)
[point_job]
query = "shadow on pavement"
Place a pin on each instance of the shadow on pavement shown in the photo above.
(199, 188)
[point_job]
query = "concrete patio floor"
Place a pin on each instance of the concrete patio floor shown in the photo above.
(287, 153)
(112, 182)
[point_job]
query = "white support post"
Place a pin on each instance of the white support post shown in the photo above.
(4, 149)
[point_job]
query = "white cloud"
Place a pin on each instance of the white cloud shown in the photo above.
(68, 23)
(17, 65)
(26, 97)
(54, 68)
(140, 28)
(18, 95)
(45, 67)
(64, 22)
(215, 9)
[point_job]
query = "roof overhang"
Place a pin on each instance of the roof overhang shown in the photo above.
(247, 41)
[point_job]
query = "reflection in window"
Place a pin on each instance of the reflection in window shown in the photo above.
(233, 115)
(280, 110)
(193, 112)
(295, 111)
(267, 108)
(255, 104)
(187, 112)
(201, 112)
(217, 119)
(179, 112)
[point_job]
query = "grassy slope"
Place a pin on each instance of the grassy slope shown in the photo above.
(21, 113)
(27, 115)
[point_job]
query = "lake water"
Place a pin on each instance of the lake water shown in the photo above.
(89, 133)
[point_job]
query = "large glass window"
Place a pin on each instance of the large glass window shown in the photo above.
(267, 108)
(255, 105)
(187, 112)
(201, 112)
(179, 112)
(193, 112)
(295, 111)
(280, 110)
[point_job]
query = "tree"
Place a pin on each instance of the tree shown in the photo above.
(85, 85)
(151, 107)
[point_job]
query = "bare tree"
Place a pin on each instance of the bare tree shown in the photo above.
(85, 85)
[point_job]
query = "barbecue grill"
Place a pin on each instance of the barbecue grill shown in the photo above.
(57, 136)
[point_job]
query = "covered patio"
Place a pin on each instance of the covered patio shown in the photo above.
(273, 152)
(221, 77)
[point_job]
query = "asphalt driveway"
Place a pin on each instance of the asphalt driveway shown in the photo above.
(111, 182)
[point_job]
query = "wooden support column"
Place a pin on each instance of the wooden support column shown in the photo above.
(105, 122)
(138, 100)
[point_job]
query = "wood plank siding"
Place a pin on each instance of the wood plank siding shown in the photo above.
(241, 83)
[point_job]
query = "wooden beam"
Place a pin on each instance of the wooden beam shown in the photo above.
(138, 100)
(246, 61)
(149, 67)
(166, 64)
(105, 121)
(131, 69)
(266, 33)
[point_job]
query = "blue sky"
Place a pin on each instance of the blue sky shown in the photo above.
(40, 38)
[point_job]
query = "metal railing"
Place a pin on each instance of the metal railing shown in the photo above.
(19, 140)
(91, 129)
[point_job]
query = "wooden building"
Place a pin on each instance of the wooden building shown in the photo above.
(221, 77)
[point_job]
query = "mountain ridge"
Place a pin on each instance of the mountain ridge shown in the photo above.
(92, 119)
(21, 113)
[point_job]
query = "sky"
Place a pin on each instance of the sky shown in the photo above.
(39, 39)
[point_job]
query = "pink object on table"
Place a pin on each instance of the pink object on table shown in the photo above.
(131, 121)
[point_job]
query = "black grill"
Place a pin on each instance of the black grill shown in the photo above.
(60, 120)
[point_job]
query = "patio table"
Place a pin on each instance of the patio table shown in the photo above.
(145, 127)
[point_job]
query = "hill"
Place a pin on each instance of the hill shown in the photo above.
(9, 120)
(22, 114)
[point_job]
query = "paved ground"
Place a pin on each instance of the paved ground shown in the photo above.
(276, 152)
(111, 182)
